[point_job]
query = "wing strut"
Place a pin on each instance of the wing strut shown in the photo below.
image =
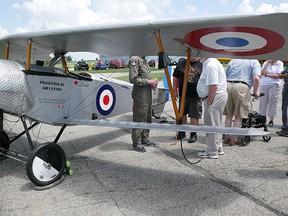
(184, 90)
(7, 50)
(161, 49)
(64, 63)
(28, 61)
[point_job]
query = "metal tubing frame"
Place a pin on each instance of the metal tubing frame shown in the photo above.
(27, 132)
(22, 158)
(23, 132)
(59, 134)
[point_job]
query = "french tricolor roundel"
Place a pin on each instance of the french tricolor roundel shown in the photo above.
(105, 100)
(237, 41)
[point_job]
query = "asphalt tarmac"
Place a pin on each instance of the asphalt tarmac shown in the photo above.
(110, 179)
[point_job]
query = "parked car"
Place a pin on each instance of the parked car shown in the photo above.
(101, 66)
(107, 63)
(151, 63)
(117, 63)
(81, 65)
(173, 62)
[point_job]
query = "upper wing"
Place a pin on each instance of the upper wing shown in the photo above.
(258, 37)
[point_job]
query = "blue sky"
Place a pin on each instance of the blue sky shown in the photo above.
(34, 15)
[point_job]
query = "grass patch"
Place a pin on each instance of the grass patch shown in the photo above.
(158, 76)
(70, 66)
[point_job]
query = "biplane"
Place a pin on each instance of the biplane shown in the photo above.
(43, 93)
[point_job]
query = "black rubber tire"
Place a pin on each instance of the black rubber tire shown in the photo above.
(46, 164)
(266, 138)
(4, 143)
(245, 140)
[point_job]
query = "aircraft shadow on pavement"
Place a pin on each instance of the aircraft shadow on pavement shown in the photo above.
(132, 187)
(152, 182)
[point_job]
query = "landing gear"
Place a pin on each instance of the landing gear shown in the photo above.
(46, 164)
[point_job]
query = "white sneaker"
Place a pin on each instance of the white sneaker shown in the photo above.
(220, 152)
(207, 155)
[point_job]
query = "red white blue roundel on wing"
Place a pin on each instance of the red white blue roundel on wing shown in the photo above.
(237, 41)
(105, 100)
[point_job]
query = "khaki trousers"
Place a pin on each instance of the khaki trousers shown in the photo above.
(213, 117)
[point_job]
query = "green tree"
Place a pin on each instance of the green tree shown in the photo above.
(69, 58)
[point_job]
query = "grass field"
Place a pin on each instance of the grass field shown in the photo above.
(159, 76)
(156, 75)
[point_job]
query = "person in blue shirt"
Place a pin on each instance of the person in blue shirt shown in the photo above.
(241, 75)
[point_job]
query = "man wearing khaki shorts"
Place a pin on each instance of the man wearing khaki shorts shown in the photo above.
(241, 75)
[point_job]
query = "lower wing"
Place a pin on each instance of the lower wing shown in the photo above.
(166, 127)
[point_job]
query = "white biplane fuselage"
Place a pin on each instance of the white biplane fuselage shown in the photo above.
(47, 94)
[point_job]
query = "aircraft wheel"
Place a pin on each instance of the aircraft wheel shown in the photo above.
(4, 143)
(46, 164)
(245, 140)
(266, 138)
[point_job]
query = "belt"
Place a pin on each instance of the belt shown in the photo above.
(204, 98)
(231, 81)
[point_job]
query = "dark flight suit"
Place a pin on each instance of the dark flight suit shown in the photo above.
(139, 74)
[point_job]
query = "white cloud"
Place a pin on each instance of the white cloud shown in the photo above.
(67, 13)
(64, 13)
(245, 7)
(3, 32)
(283, 7)
(44, 15)
(191, 9)
(224, 2)
(16, 5)
(22, 29)
(266, 8)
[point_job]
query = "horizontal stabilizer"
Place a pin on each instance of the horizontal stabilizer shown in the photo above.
(166, 127)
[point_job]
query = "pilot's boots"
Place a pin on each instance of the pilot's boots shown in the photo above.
(138, 147)
(193, 137)
(146, 142)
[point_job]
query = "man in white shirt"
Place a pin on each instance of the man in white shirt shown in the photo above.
(212, 87)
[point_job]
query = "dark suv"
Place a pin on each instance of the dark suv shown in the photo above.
(81, 65)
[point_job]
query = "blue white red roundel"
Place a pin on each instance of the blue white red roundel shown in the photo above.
(105, 100)
(237, 41)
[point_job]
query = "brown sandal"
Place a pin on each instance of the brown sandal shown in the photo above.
(234, 142)
(226, 140)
